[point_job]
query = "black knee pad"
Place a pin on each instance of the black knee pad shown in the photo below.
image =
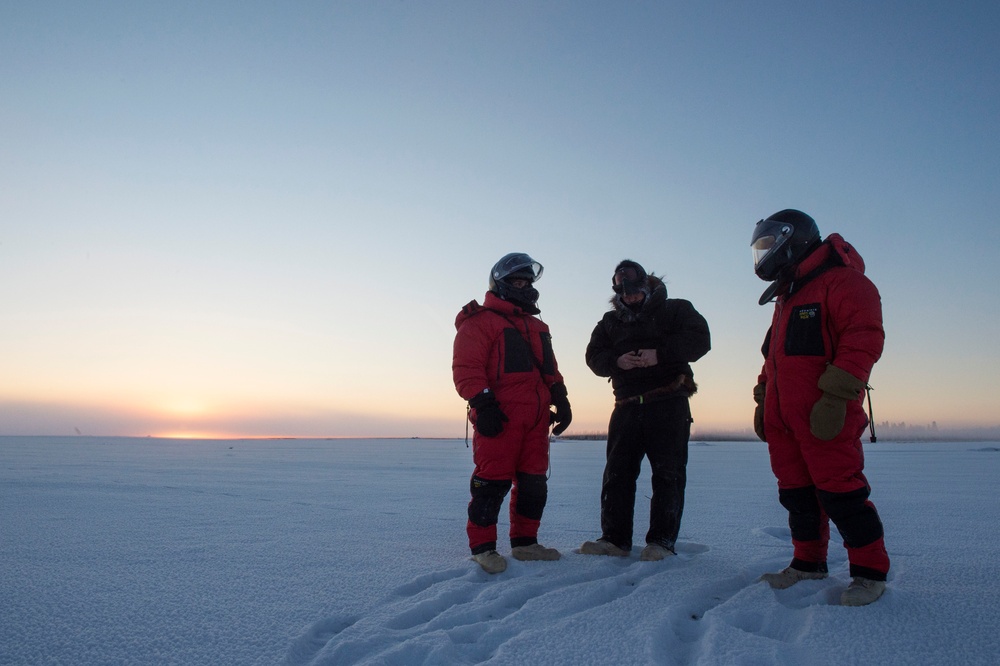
(532, 492)
(487, 498)
(804, 513)
(855, 517)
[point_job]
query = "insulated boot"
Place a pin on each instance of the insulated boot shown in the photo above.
(789, 576)
(491, 561)
(862, 591)
(535, 551)
(654, 552)
(602, 547)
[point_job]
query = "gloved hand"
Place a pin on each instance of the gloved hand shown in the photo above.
(489, 417)
(563, 414)
(828, 414)
(758, 412)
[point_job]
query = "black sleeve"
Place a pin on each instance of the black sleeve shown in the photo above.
(688, 338)
(600, 353)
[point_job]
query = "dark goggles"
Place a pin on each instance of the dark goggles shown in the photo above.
(626, 273)
(628, 280)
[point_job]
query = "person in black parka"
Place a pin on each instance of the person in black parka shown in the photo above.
(645, 345)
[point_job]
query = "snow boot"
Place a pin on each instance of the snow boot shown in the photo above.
(862, 591)
(535, 551)
(602, 547)
(654, 552)
(789, 576)
(491, 561)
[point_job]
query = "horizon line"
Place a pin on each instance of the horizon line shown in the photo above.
(986, 433)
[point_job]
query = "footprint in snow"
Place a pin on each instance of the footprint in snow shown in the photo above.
(464, 615)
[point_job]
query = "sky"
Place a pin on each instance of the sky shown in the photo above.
(349, 552)
(261, 218)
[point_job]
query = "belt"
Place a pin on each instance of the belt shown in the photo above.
(682, 386)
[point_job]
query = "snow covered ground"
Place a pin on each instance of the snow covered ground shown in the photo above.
(146, 551)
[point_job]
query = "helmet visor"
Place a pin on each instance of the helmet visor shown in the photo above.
(518, 266)
(762, 247)
(770, 236)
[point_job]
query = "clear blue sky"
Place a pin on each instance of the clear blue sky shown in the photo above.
(260, 218)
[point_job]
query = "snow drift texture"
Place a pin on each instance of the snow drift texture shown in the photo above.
(142, 551)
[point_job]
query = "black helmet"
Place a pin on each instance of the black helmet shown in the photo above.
(516, 265)
(781, 241)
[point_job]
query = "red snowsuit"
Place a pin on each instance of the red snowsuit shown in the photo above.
(832, 314)
(501, 347)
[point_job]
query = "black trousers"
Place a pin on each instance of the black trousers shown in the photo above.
(658, 431)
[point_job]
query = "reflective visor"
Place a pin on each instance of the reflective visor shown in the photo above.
(518, 266)
(761, 248)
(770, 235)
(531, 272)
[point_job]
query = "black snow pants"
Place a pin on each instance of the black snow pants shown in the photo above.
(659, 431)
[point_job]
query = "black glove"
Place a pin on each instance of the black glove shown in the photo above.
(489, 417)
(563, 415)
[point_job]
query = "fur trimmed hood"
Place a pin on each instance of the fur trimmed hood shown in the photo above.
(657, 293)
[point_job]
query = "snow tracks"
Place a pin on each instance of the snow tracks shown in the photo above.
(581, 609)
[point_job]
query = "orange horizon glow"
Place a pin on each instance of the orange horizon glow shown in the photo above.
(194, 435)
(290, 421)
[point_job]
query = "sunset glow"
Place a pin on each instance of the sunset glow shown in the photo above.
(221, 222)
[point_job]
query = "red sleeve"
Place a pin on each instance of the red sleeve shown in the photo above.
(856, 324)
(470, 356)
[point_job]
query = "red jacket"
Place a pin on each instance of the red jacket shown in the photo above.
(834, 317)
(503, 348)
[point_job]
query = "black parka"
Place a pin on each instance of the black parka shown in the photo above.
(671, 326)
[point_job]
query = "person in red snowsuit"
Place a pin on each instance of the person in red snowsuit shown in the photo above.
(504, 366)
(826, 334)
